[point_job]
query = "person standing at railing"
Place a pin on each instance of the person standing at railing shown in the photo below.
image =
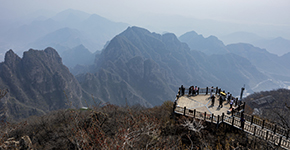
(196, 90)
(182, 90)
(212, 100)
(192, 90)
(189, 91)
(211, 91)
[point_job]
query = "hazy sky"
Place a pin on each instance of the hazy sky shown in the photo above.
(247, 13)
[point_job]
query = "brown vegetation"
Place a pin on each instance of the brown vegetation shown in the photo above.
(135, 127)
(276, 111)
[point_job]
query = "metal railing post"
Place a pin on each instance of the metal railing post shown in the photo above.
(280, 141)
(194, 111)
(263, 124)
(206, 92)
(184, 111)
(174, 106)
(204, 116)
(252, 119)
(212, 118)
(254, 131)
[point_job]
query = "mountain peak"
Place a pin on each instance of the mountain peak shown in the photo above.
(170, 37)
(11, 58)
(53, 53)
(215, 39)
(190, 35)
(136, 29)
(81, 46)
(36, 83)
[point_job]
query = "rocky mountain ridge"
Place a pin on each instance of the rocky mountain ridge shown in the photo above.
(151, 67)
(37, 83)
(135, 67)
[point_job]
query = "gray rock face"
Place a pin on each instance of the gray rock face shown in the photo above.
(37, 83)
(140, 67)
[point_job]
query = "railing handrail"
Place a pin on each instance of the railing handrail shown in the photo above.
(261, 122)
(278, 139)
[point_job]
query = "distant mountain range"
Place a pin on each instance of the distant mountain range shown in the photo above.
(148, 68)
(274, 67)
(63, 31)
(210, 45)
(278, 45)
(134, 67)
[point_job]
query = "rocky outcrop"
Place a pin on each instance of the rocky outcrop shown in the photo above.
(37, 83)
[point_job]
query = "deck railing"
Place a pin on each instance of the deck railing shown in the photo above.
(206, 90)
(262, 129)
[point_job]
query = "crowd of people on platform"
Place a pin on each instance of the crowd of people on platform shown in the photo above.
(223, 96)
(192, 91)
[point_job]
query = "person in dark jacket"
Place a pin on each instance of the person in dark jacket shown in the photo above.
(221, 102)
(212, 100)
(182, 90)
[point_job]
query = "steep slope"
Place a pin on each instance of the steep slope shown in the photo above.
(37, 83)
(138, 66)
